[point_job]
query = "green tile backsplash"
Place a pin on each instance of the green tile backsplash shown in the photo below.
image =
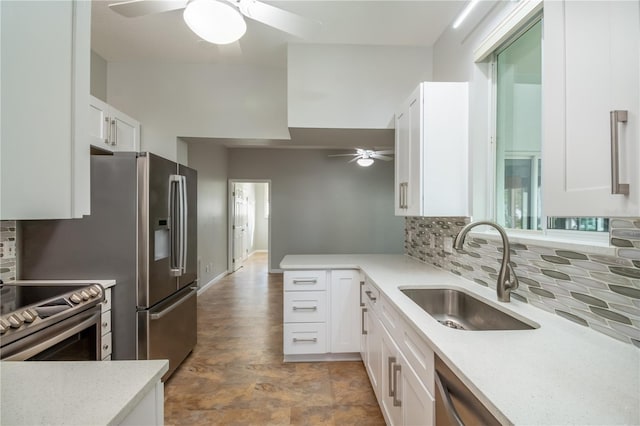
(596, 291)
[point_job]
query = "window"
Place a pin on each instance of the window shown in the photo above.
(518, 137)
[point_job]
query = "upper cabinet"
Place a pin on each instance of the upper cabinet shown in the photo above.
(591, 61)
(111, 129)
(45, 90)
(431, 148)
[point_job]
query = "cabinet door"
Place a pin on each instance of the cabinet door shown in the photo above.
(45, 90)
(408, 156)
(591, 67)
(99, 123)
(345, 315)
(416, 403)
(125, 134)
(401, 160)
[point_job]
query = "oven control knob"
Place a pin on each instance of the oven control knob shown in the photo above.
(15, 320)
(4, 326)
(85, 295)
(75, 298)
(30, 315)
(98, 289)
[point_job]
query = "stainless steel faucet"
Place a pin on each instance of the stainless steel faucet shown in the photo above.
(507, 279)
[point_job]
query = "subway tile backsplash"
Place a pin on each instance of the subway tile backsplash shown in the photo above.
(596, 291)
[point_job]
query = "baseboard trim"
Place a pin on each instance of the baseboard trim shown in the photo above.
(354, 356)
(212, 282)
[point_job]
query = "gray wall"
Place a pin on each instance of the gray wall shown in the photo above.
(211, 163)
(323, 205)
(98, 80)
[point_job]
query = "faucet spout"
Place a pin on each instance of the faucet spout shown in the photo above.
(507, 279)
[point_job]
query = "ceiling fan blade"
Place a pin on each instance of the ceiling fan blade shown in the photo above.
(381, 157)
(279, 18)
(342, 155)
(387, 151)
(354, 159)
(135, 8)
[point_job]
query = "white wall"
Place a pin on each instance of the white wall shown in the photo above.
(348, 86)
(323, 205)
(261, 236)
(453, 61)
(201, 100)
(211, 163)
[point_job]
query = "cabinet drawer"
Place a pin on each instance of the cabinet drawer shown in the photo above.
(305, 306)
(370, 294)
(305, 338)
(105, 322)
(419, 356)
(391, 319)
(106, 305)
(305, 280)
(106, 346)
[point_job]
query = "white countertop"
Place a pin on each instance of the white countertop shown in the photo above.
(560, 373)
(74, 393)
(103, 283)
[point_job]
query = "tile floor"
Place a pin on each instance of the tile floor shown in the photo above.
(235, 375)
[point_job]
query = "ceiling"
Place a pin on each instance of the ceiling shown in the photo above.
(165, 38)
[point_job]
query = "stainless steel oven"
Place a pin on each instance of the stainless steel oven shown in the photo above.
(65, 327)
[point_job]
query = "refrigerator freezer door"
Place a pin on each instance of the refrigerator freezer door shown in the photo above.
(169, 330)
(156, 281)
(190, 272)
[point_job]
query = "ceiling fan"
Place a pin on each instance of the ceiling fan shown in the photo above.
(221, 21)
(365, 157)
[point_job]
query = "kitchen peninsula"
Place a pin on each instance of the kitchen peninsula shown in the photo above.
(557, 373)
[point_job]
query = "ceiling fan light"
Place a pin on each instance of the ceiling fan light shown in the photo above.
(214, 21)
(365, 162)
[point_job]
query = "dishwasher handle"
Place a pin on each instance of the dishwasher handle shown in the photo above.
(443, 390)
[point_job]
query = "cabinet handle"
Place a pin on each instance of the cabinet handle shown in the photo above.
(296, 340)
(617, 116)
(400, 186)
(364, 332)
(105, 324)
(114, 139)
(105, 347)
(372, 298)
(404, 195)
(106, 120)
(305, 282)
(396, 369)
(361, 286)
(305, 308)
(390, 370)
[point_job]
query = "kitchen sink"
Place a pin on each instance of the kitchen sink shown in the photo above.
(460, 310)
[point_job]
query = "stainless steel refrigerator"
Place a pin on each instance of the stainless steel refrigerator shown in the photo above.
(142, 232)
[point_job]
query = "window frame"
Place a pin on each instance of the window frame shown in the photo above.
(570, 236)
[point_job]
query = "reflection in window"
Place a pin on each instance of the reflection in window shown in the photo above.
(594, 224)
(518, 131)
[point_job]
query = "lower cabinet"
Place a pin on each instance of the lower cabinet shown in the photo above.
(321, 315)
(400, 367)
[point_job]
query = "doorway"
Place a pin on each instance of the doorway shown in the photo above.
(249, 220)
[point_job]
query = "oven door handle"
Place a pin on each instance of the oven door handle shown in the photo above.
(36, 349)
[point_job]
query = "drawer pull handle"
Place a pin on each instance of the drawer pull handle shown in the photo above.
(305, 308)
(105, 347)
(305, 282)
(296, 340)
(372, 298)
(390, 370)
(396, 401)
(105, 324)
(364, 332)
(617, 116)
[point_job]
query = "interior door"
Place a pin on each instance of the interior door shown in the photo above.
(239, 226)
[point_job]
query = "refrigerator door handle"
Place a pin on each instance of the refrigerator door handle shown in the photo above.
(175, 224)
(183, 224)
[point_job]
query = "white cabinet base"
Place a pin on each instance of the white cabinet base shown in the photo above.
(323, 357)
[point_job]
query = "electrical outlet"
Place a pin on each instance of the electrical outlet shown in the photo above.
(448, 245)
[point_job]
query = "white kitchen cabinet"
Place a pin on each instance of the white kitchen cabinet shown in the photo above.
(149, 411)
(345, 318)
(111, 129)
(105, 327)
(373, 358)
(45, 89)
(321, 315)
(591, 66)
(431, 149)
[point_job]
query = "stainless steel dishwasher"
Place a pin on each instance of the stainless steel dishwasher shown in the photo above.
(455, 404)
